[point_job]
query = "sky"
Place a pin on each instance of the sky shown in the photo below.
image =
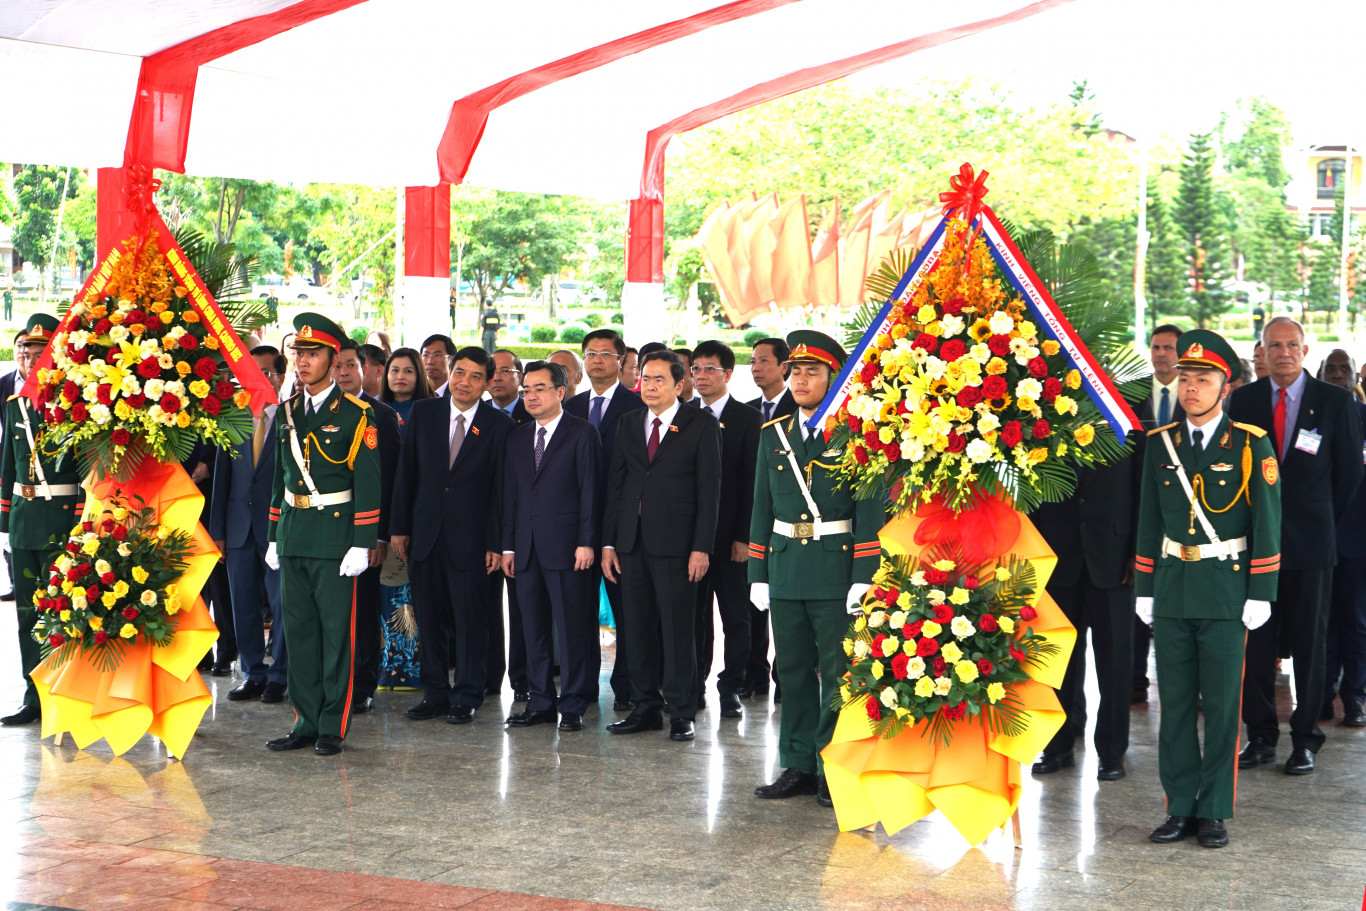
(1172, 66)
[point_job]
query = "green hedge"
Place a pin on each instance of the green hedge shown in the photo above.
(573, 333)
(533, 352)
(544, 332)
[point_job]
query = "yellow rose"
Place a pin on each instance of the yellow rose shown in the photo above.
(96, 623)
(959, 596)
(996, 366)
(860, 624)
(1002, 574)
(849, 646)
(1050, 347)
(924, 687)
(951, 652)
(930, 629)
(1007, 625)
(182, 368)
(149, 598)
(67, 585)
(108, 599)
(877, 670)
(122, 411)
(128, 631)
(200, 389)
(183, 419)
(899, 331)
(190, 316)
(1025, 403)
(120, 588)
(1085, 434)
(1065, 405)
(241, 398)
(943, 565)
(1038, 455)
(965, 671)
(890, 645)
(995, 692)
(65, 615)
(90, 547)
(1073, 379)
(167, 318)
(211, 343)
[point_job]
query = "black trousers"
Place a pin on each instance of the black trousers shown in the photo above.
(1345, 656)
(727, 582)
(452, 606)
(218, 594)
(514, 661)
(660, 632)
(1107, 614)
(1299, 619)
(563, 604)
(253, 585)
(621, 677)
(1143, 640)
(369, 638)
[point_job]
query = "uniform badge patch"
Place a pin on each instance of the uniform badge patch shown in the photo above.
(331, 428)
(371, 437)
(1269, 469)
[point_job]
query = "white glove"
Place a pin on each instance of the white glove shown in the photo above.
(272, 557)
(852, 600)
(758, 595)
(356, 561)
(4, 542)
(1255, 613)
(1144, 608)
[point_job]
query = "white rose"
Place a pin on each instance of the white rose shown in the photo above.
(150, 348)
(1029, 388)
(130, 385)
(915, 668)
(887, 697)
(1001, 323)
(154, 388)
(935, 597)
(962, 627)
(860, 649)
(877, 618)
(933, 367)
(942, 685)
(978, 451)
(897, 620)
(952, 325)
(100, 414)
(118, 334)
(980, 353)
(988, 422)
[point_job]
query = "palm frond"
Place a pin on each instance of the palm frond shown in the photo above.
(228, 275)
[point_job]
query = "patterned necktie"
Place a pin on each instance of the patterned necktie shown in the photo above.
(457, 438)
(258, 439)
(1198, 440)
(653, 444)
(540, 447)
(1278, 424)
(1164, 410)
(768, 412)
(595, 415)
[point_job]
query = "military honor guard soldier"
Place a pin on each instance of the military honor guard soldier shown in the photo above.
(324, 520)
(813, 550)
(40, 496)
(1208, 557)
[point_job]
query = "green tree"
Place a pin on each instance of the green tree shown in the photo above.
(1111, 241)
(1165, 271)
(517, 237)
(1083, 100)
(1255, 138)
(1202, 226)
(38, 190)
(356, 225)
(6, 196)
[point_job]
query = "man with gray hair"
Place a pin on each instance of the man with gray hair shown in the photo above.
(1316, 433)
(573, 368)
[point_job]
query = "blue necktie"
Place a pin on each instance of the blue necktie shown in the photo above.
(595, 415)
(540, 447)
(1164, 410)
(768, 412)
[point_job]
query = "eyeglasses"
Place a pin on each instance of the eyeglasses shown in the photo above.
(267, 373)
(601, 356)
(506, 371)
(538, 389)
(699, 370)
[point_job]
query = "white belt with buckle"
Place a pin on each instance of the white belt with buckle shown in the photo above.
(809, 529)
(1194, 553)
(46, 491)
(323, 499)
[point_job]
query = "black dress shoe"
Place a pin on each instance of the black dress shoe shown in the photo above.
(1173, 828)
(622, 705)
(1050, 764)
(526, 718)
(730, 706)
(363, 706)
(636, 722)
(1211, 833)
(823, 792)
(521, 695)
(571, 721)
(328, 745)
(252, 689)
(425, 710)
(291, 741)
(492, 690)
(1301, 761)
(681, 729)
(1137, 695)
(1326, 713)
(1257, 752)
(221, 669)
(274, 692)
(791, 783)
(745, 692)
(1354, 715)
(460, 714)
(1110, 770)
(27, 714)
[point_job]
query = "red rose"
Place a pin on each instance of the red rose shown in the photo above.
(953, 349)
(1017, 654)
(188, 342)
(149, 368)
(938, 666)
(969, 396)
(936, 576)
(877, 644)
(870, 437)
(92, 593)
(1052, 388)
(943, 613)
(55, 639)
(130, 613)
(56, 416)
(1038, 368)
(79, 412)
(953, 306)
(970, 583)
(912, 630)
(107, 579)
(955, 712)
(926, 647)
(63, 603)
(104, 395)
(926, 341)
(120, 532)
(892, 451)
(889, 598)
(899, 663)
(78, 355)
(1011, 433)
(205, 368)
(74, 572)
(855, 423)
(71, 391)
(137, 401)
(1028, 613)
(869, 373)
(1041, 430)
(169, 403)
(874, 709)
(860, 455)
(55, 580)
(993, 387)
(107, 525)
(999, 345)
(223, 390)
(103, 327)
(101, 637)
(121, 437)
(134, 317)
(988, 624)
(957, 442)
(73, 547)
(984, 666)
(87, 526)
(212, 405)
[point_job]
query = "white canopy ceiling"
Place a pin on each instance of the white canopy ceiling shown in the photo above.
(361, 91)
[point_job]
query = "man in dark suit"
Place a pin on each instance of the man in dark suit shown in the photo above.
(349, 372)
(768, 367)
(1345, 662)
(689, 394)
(550, 539)
(602, 405)
(659, 527)
(504, 387)
(726, 579)
(1093, 532)
(1317, 436)
(445, 523)
(11, 383)
(239, 523)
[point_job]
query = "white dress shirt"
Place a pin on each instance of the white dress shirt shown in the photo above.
(665, 419)
(469, 420)
(549, 426)
(315, 402)
(717, 406)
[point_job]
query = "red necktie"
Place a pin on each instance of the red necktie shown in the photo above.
(1278, 424)
(653, 445)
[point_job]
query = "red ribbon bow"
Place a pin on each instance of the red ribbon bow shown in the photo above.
(139, 191)
(965, 195)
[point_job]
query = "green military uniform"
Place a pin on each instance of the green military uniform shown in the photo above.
(809, 577)
(273, 309)
(326, 501)
(490, 322)
(1199, 595)
(9, 303)
(39, 498)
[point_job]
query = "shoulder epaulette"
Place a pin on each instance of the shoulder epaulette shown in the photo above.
(1250, 428)
(13, 397)
(362, 403)
(1162, 428)
(774, 421)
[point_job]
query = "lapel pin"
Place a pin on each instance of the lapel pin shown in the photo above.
(673, 428)
(474, 430)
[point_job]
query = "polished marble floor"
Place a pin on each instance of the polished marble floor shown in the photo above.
(429, 815)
